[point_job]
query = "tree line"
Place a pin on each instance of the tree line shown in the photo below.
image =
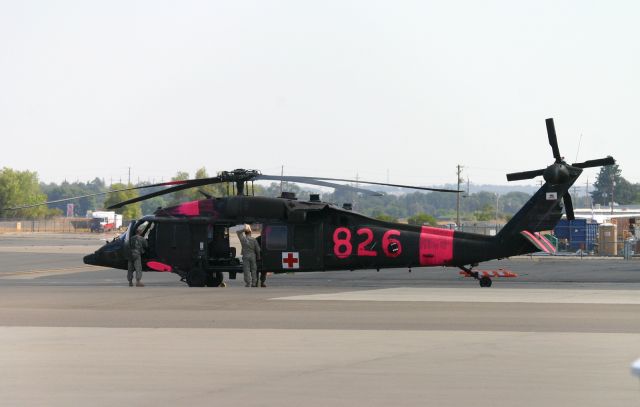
(23, 188)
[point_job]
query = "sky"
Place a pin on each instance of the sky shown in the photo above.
(401, 91)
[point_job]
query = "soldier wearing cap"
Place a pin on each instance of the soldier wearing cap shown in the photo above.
(137, 246)
(250, 256)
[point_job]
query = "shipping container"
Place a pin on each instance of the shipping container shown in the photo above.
(608, 240)
(577, 234)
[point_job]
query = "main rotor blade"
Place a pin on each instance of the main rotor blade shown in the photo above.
(517, 176)
(568, 206)
(185, 185)
(316, 179)
(216, 180)
(96, 194)
(553, 140)
(595, 163)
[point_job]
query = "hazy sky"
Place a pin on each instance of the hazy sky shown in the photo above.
(331, 88)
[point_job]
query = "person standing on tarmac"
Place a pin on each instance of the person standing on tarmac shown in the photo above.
(137, 245)
(263, 273)
(250, 256)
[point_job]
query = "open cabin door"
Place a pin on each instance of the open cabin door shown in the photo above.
(173, 244)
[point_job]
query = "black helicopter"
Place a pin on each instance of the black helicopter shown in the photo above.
(192, 238)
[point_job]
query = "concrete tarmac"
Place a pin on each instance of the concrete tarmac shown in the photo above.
(562, 334)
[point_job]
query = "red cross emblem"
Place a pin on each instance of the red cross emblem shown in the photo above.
(290, 260)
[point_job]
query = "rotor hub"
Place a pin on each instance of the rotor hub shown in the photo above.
(557, 173)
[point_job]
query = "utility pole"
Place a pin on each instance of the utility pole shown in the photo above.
(458, 172)
(586, 196)
(129, 178)
(281, 174)
(613, 187)
(355, 198)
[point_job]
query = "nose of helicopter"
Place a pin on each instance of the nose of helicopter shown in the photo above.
(91, 259)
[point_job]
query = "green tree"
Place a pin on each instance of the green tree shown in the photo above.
(128, 212)
(21, 188)
(69, 190)
(486, 214)
(623, 191)
(175, 198)
(377, 214)
(422, 219)
(149, 206)
(212, 190)
(511, 202)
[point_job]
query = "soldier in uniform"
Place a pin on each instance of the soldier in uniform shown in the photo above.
(137, 245)
(250, 256)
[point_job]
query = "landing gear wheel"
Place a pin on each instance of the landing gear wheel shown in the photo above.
(485, 281)
(196, 277)
(214, 279)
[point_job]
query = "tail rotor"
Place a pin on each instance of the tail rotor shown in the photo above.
(560, 172)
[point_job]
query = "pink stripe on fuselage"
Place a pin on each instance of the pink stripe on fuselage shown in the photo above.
(436, 246)
(188, 208)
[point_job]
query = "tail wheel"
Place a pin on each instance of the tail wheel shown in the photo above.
(485, 281)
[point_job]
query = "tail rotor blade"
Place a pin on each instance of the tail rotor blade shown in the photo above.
(595, 163)
(517, 176)
(553, 140)
(568, 206)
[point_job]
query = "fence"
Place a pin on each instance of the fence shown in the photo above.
(54, 225)
(580, 238)
(480, 228)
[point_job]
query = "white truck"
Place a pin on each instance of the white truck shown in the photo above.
(105, 221)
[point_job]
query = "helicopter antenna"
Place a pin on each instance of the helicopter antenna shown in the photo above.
(579, 142)
(281, 181)
(459, 172)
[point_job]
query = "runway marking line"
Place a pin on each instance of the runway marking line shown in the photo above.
(31, 274)
(481, 295)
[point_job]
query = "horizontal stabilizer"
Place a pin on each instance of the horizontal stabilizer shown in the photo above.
(542, 243)
(499, 273)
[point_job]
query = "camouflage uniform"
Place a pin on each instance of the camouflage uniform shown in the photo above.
(138, 245)
(250, 256)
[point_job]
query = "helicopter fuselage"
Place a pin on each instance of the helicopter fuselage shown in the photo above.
(192, 239)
